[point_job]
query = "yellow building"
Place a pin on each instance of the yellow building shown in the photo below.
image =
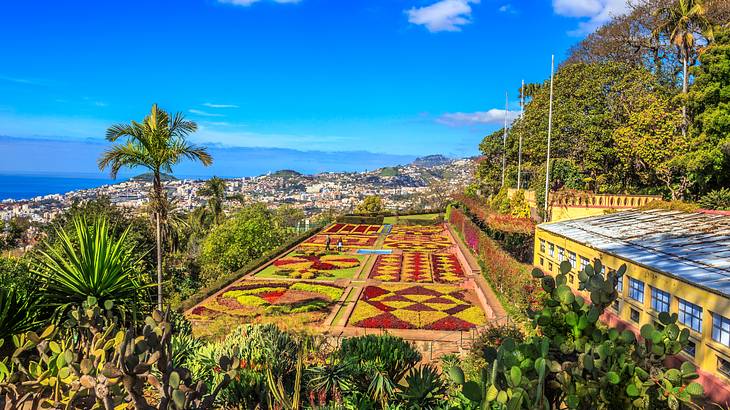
(677, 262)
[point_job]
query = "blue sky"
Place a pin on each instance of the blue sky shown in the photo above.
(405, 77)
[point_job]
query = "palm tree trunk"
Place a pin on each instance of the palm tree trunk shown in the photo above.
(685, 86)
(157, 188)
(159, 261)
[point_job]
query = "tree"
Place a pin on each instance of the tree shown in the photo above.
(214, 191)
(649, 142)
(240, 239)
(288, 216)
(372, 204)
(157, 143)
(709, 105)
(681, 22)
(590, 101)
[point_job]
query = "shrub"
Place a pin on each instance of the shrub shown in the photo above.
(718, 199)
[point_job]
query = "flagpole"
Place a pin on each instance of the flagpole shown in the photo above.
(550, 129)
(519, 150)
(504, 137)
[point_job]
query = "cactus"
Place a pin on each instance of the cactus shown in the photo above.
(98, 365)
(575, 362)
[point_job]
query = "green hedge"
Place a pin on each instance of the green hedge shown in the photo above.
(377, 219)
(226, 280)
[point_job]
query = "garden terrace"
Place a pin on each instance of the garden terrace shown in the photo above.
(418, 286)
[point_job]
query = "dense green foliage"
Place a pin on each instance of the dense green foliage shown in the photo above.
(372, 204)
(243, 237)
(640, 106)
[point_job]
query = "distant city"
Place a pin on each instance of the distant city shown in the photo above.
(417, 185)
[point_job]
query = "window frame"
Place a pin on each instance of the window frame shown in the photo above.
(723, 328)
(572, 258)
(661, 301)
(633, 289)
(542, 245)
(561, 254)
(551, 249)
(683, 313)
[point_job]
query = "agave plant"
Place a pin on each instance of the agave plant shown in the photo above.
(90, 262)
(424, 388)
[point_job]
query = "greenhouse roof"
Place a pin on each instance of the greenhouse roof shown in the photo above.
(693, 247)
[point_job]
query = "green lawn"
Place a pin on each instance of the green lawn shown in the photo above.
(346, 273)
(425, 218)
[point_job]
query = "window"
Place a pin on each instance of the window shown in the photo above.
(636, 290)
(616, 306)
(550, 266)
(660, 300)
(552, 249)
(583, 263)
(571, 258)
(691, 348)
(571, 278)
(690, 315)
(721, 329)
(561, 254)
(635, 315)
(658, 326)
(542, 261)
(542, 245)
(620, 284)
(723, 366)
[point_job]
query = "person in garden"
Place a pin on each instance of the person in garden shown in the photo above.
(339, 245)
(327, 243)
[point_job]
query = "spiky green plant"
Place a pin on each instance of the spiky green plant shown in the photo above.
(17, 312)
(89, 261)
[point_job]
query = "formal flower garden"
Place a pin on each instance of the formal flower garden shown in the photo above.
(302, 264)
(419, 285)
(428, 307)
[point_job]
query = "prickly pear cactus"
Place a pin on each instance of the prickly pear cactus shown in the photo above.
(98, 365)
(576, 362)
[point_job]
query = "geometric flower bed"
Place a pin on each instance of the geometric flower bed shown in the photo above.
(313, 265)
(353, 229)
(417, 230)
(417, 267)
(348, 241)
(429, 307)
(418, 238)
(387, 268)
(446, 268)
(254, 298)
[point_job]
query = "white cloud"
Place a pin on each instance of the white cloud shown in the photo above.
(211, 105)
(507, 8)
(444, 15)
(594, 13)
(246, 3)
(204, 113)
(493, 116)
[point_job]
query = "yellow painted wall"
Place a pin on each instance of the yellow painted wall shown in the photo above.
(572, 205)
(707, 350)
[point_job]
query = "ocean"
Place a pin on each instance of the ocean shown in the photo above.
(29, 186)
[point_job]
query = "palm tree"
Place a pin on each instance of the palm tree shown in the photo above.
(157, 143)
(215, 191)
(681, 21)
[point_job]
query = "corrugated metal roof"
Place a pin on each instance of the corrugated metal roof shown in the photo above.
(694, 247)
